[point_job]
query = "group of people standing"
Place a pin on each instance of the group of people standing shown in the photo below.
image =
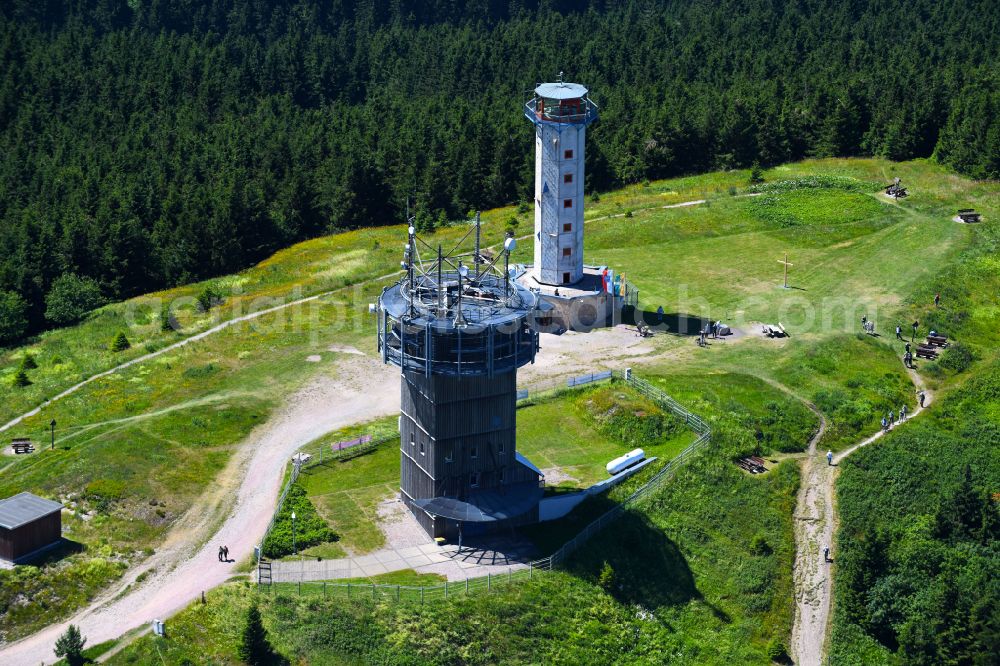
(890, 419)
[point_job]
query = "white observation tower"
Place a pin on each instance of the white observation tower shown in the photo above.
(560, 112)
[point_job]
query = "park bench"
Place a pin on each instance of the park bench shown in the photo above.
(748, 465)
(772, 331)
(22, 446)
(925, 351)
(968, 215)
(937, 341)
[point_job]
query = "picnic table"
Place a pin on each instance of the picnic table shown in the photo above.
(927, 351)
(937, 341)
(22, 446)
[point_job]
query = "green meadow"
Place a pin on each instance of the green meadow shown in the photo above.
(135, 449)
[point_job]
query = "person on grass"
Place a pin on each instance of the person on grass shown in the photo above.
(899, 332)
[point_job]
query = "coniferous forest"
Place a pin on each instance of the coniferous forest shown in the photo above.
(147, 143)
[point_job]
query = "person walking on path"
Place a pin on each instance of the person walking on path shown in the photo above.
(902, 413)
(225, 553)
(220, 553)
(826, 553)
(891, 417)
(829, 457)
(899, 332)
(920, 396)
(885, 426)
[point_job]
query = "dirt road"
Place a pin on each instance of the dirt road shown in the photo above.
(234, 511)
(815, 527)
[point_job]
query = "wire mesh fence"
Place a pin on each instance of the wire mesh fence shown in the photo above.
(352, 590)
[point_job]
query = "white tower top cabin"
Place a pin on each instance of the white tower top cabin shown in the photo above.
(560, 112)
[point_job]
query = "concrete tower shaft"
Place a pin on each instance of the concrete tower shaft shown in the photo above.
(561, 113)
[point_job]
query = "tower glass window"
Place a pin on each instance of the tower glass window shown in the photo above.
(568, 178)
(568, 155)
(474, 480)
(568, 227)
(474, 452)
(567, 203)
(567, 251)
(421, 448)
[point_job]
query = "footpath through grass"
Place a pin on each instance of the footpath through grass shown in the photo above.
(916, 572)
(722, 254)
(700, 572)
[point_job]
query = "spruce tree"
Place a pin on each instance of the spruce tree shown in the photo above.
(69, 646)
(254, 647)
(120, 342)
(21, 378)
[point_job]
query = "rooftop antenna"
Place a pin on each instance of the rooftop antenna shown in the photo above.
(508, 246)
(440, 285)
(463, 271)
(476, 259)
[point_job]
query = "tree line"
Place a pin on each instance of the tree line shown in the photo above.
(148, 143)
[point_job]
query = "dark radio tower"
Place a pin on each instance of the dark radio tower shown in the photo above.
(459, 328)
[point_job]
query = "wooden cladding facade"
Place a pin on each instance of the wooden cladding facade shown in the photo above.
(457, 435)
(30, 537)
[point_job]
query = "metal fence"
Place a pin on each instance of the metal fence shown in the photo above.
(412, 593)
(654, 483)
(526, 572)
(274, 517)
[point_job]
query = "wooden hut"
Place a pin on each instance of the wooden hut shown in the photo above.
(28, 524)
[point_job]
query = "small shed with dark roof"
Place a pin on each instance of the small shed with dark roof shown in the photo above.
(28, 524)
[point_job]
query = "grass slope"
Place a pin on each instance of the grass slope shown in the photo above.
(897, 252)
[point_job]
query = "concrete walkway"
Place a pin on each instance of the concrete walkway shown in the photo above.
(449, 560)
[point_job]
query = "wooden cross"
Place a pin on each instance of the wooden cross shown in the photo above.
(785, 262)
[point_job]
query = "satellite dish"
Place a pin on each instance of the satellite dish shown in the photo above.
(509, 245)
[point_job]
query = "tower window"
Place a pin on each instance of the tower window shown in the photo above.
(448, 455)
(567, 251)
(500, 447)
(567, 203)
(567, 227)
(474, 452)
(503, 476)
(412, 440)
(474, 480)
(568, 178)
(568, 154)
(565, 278)
(421, 448)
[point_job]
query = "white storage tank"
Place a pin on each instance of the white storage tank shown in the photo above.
(622, 463)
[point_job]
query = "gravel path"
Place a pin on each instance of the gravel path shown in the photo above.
(234, 511)
(815, 526)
